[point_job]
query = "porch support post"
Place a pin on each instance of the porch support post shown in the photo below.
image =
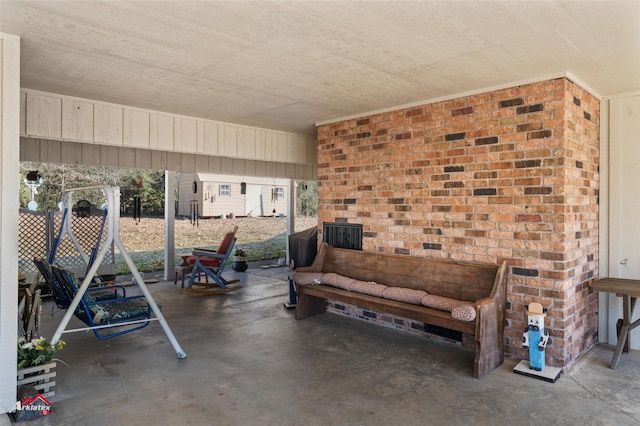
(9, 170)
(169, 225)
(291, 212)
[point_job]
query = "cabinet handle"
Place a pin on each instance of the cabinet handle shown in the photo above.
(623, 261)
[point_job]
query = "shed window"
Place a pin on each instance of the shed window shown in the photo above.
(225, 190)
(278, 194)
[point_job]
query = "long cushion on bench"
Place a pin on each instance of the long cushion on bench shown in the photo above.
(459, 309)
(368, 287)
(337, 280)
(407, 295)
(393, 307)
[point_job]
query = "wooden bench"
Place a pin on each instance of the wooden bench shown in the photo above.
(481, 285)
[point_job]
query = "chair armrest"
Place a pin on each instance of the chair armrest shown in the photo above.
(199, 253)
(208, 250)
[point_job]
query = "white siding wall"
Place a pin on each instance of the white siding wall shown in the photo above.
(216, 204)
(270, 204)
(212, 204)
(162, 141)
(620, 247)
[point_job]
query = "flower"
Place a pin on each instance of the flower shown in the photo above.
(36, 351)
(240, 253)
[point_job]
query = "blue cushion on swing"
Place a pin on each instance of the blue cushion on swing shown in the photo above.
(119, 310)
(103, 306)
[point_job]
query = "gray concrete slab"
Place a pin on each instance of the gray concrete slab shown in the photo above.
(251, 363)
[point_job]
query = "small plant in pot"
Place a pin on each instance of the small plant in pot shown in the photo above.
(239, 262)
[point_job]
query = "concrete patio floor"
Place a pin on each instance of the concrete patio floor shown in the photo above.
(251, 363)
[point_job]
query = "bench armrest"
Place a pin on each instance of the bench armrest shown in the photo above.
(484, 302)
(318, 262)
(304, 269)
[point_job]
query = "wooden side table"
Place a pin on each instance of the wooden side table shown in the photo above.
(629, 290)
(183, 269)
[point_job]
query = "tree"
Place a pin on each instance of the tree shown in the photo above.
(59, 177)
(307, 198)
(149, 186)
(146, 184)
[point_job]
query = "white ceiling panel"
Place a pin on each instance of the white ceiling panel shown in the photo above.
(286, 65)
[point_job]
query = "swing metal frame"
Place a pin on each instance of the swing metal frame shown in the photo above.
(112, 196)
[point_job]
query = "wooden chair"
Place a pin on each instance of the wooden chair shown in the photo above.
(212, 264)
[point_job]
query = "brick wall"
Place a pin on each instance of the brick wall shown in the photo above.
(510, 174)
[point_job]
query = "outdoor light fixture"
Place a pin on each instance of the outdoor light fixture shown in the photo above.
(33, 181)
(34, 176)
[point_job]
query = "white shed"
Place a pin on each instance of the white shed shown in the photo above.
(213, 195)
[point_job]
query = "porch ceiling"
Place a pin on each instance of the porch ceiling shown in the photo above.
(287, 65)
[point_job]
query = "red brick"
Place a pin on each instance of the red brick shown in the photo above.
(559, 230)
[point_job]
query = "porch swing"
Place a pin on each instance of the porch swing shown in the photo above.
(100, 305)
(105, 313)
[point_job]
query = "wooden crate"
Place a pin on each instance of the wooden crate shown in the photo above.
(41, 377)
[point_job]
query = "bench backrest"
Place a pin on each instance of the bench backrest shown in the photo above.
(469, 281)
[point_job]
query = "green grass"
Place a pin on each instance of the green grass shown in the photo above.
(150, 261)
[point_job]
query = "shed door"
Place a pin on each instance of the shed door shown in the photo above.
(253, 201)
(624, 253)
